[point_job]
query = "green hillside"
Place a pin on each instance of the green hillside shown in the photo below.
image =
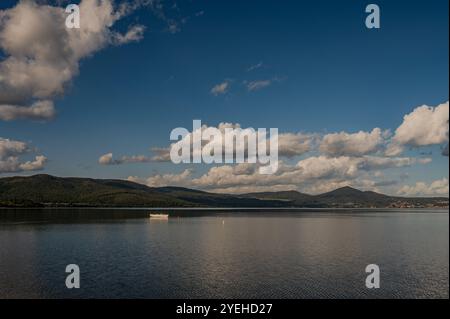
(46, 190)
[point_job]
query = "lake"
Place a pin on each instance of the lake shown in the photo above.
(224, 254)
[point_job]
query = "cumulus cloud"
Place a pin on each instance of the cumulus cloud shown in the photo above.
(314, 175)
(162, 154)
(357, 144)
(37, 164)
(108, 159)
(220, 88)
(341, 144)
(289, 144)
(435, 188)
(424, 126)
(11, 148)
(333, 160)
(42, 56)
(295, 144)
(164, 179)
(40, 110)
(322, 167)
(10, 152)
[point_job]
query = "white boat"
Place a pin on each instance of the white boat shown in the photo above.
(159, 216)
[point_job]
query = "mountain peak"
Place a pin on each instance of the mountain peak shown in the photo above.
(349, 188)
(345, 190)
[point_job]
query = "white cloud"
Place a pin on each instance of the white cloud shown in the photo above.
(435, 188)
(335, 160)
(295, 144)
(11, 150)
(289, 144)
(134, 34)
(258, 85)
(220, 88)
(37, 164)
(162, 154)
(394, 149)
(424, 126)
(40, 110)
(42, 56)
(108, 159)
(164, 179)
(314, 175)
(357, 144)
(319, 167)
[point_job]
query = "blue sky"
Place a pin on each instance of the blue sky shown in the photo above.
(327, 71)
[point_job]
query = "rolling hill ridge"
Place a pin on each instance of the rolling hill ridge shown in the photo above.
(45, 190)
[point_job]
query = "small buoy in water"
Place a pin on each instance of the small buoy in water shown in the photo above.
(223, 221)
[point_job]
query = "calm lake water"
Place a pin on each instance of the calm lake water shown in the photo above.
(252, 254)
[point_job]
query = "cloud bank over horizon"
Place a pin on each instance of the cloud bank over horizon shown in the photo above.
(326, 161)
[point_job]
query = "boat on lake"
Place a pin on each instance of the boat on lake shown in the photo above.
(159, 216)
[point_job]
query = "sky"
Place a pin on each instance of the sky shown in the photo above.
(354, 106)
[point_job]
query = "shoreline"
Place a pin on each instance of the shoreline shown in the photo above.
(232, 209)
